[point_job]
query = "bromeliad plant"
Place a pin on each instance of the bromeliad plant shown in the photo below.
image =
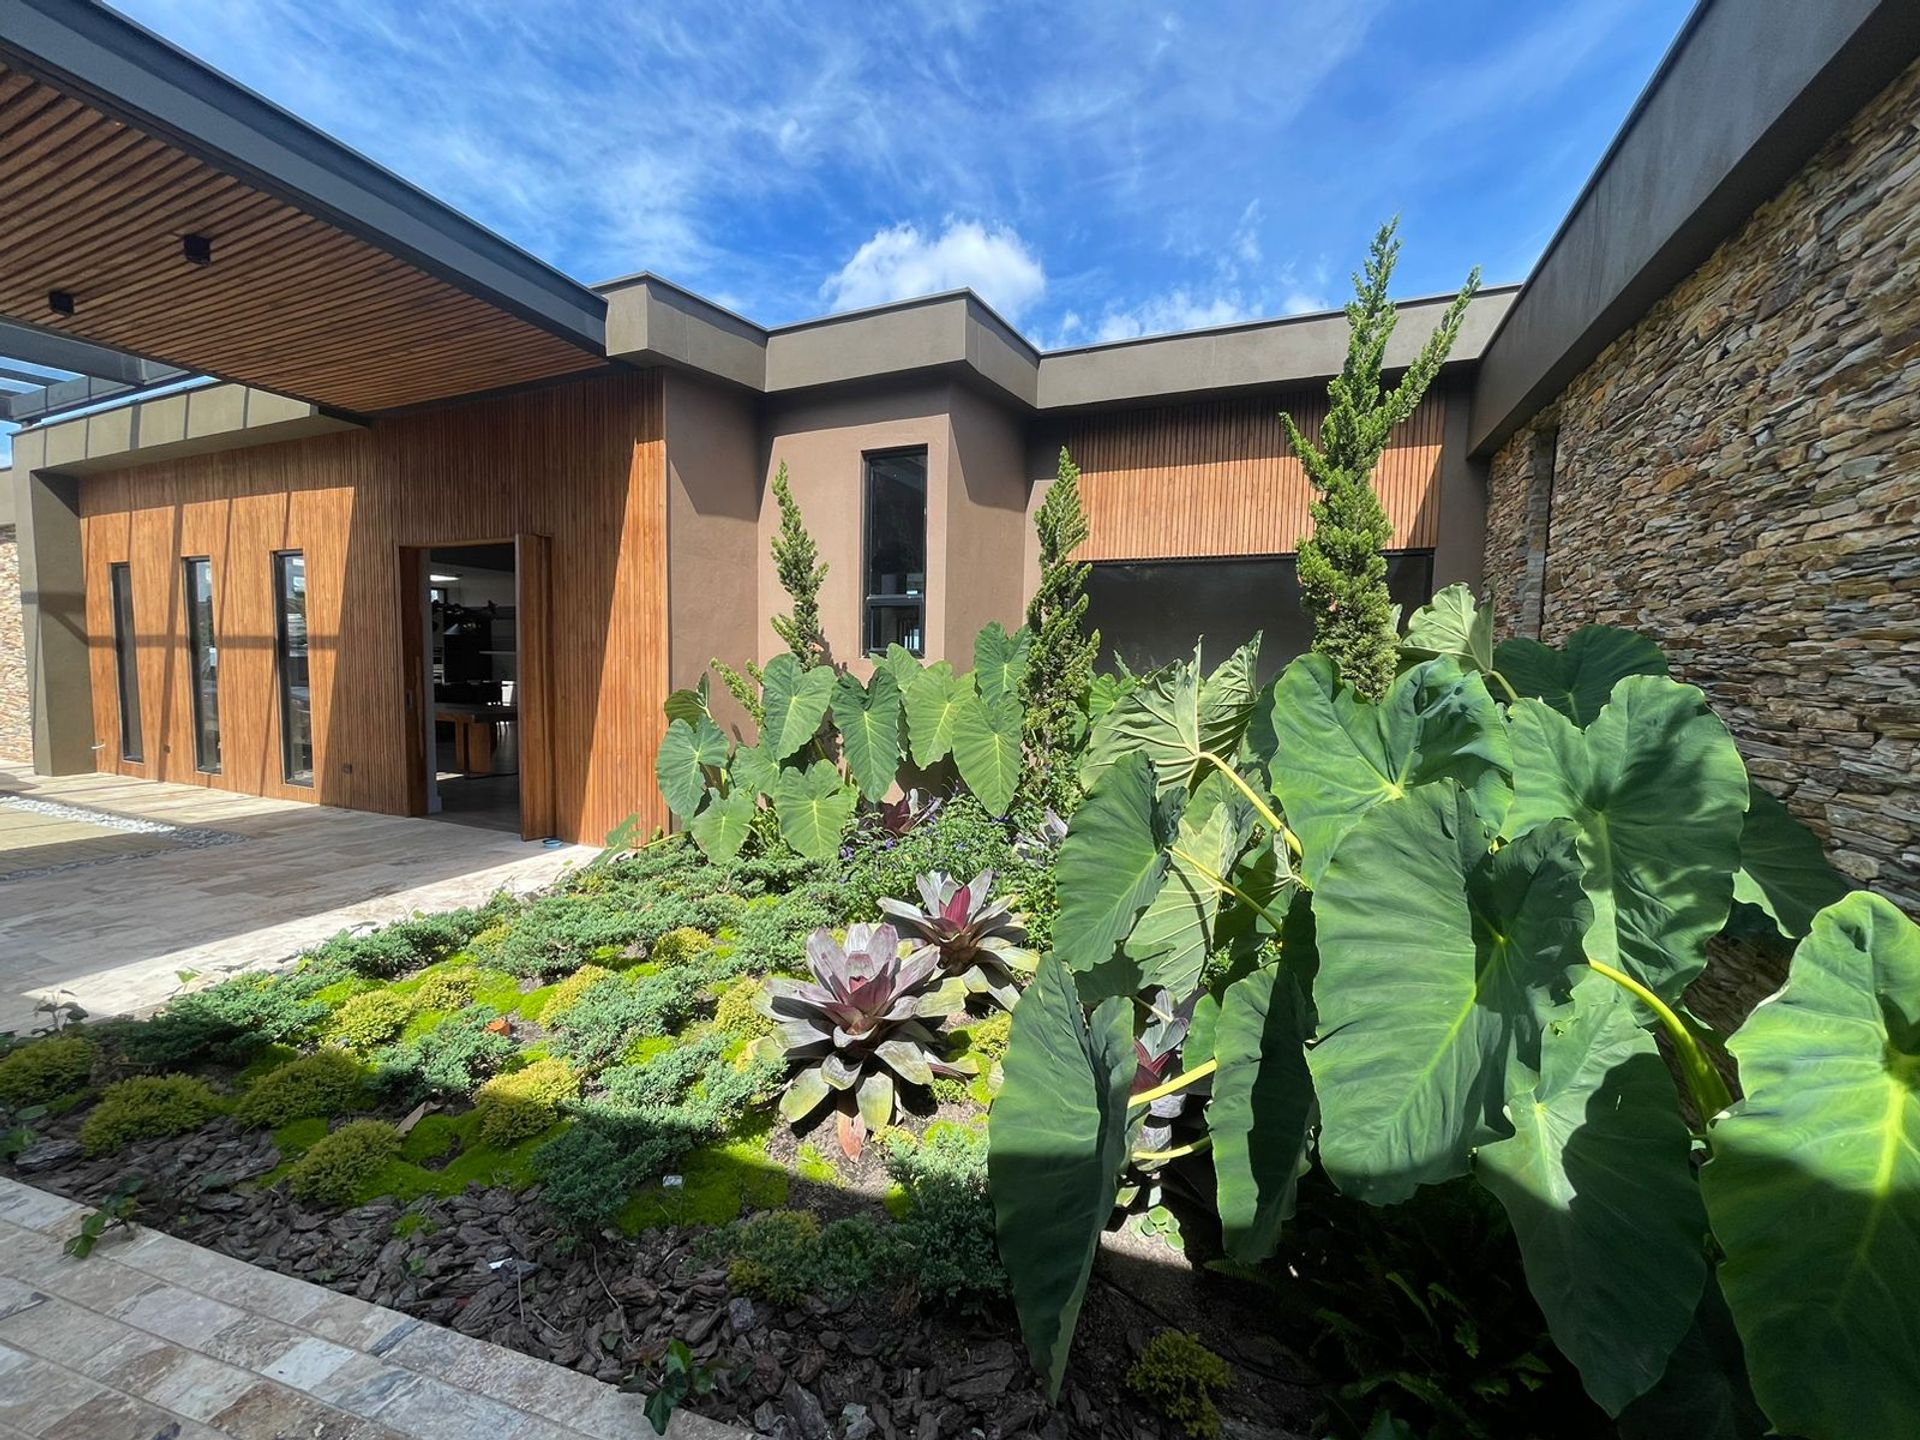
(802, 778)
(979, 941)
(857, 1028)
(1439, 935)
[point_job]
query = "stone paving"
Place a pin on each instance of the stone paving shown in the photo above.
(114, 930)
(152, 1338)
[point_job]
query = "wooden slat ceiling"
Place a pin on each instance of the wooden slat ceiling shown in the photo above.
(291, 302)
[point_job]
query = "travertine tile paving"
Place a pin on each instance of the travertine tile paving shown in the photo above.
(152, 1338)
(115, 936)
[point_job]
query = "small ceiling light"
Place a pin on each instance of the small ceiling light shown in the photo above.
(60, 301)
(197, 249)
(443, 579)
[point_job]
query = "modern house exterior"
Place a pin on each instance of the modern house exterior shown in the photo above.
(1695, 417)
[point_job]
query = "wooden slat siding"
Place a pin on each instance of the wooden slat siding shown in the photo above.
(533, 689)
(290, 303)
(582, 463)
(1218, 478)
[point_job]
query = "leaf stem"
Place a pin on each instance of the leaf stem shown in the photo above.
(1225, 886)
(1709, 1091)
(1513, 695)
(1154, 1157)
(1265, 811)
(1178, 1083)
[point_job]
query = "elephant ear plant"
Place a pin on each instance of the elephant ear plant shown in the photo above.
(856, 1028)
(1444, 934)
(978, 940)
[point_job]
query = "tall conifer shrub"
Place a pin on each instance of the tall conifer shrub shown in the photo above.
(1060, 666)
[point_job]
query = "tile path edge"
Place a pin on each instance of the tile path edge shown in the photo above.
(152, 1330)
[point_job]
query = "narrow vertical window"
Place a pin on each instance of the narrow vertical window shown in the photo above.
(896, 551)
(296, 694)
(203, 665)
(126, 663)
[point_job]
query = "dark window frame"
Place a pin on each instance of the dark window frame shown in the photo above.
(870, 602)
(291, 773)
(126, 661)
(200, 730)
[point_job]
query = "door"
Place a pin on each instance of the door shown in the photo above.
(534, 697)
(417, 685)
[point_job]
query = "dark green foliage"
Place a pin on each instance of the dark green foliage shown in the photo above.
(146, 1108)
(44, 1070)
(1053, 692)
(786, 1255)
(391, 952)
(1343, 574)
(1177, 1375)
(327, 1082)
(340, 1166)
(559, 933)
(450, 1059)
(962, 839)
(797, 565)
(228, 1021)
(598, 1027)
(948, 1224)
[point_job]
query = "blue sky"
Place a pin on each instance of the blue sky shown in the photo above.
(1098, 172)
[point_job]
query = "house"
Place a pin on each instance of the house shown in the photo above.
(448, 516)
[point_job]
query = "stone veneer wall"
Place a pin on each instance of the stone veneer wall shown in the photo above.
(16, 737)
(1738, 476)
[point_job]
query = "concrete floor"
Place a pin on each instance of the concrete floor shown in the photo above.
(109, 918)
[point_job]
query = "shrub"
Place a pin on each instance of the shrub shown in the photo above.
(451, 1058)
(614, 1012)
(988, 1038)
(227, 1021)
(370, 1019)
(327, 1082)
(567, 993)
(589, 1169)
(45, 1070)
(559, 933)
(338, 1167)
(1177, 1375)
(680, 945)
(396, 949)
(949, 1219)
(447, 989)
(963, 839)
(145, 1108)
(525, 1102)
(738, 1012)
(783, 1256)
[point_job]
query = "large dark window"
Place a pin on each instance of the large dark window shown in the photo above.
(126, 663)
(896, 551)
(1152, 612)
(203, 665)
(296, 694)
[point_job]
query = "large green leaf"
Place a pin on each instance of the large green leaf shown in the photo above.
(1438, 965)
(1000, 660)
(1262, 1106)
(903, 665)
(1597, 1182)
(1159, 718)
(1783, 867)
(1705, 1394)
(1579, 678)
(796, 702)
(1057, 1138)
(1334, 757)
(723, 826)
(687, 752)
(868, 718)
(1659, 794)
(753, 770)
(1453, 625)
(813, 806)
(933, 701)
(1111, 863)
(689, 705)
(1170, 941)
(1814, 1185)
(986, 747)
(1227, 698)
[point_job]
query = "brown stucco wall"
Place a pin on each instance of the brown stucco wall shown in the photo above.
(16, 724)
(1738, 475)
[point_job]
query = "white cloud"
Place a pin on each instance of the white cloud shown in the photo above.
(1178, 310)
(901, 262)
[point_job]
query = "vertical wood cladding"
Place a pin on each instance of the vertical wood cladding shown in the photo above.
(1218, 478)
(583, 464)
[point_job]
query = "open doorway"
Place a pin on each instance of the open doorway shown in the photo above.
(472, 648)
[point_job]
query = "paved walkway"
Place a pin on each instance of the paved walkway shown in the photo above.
(121, 884)
(151, 1338)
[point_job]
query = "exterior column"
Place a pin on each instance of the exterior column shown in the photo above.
(53, 613)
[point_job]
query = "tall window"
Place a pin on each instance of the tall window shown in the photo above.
(203, 665)
(896, 551)
(125, 659)
(296, 695)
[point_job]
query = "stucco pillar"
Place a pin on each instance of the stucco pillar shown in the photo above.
(53, 613)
